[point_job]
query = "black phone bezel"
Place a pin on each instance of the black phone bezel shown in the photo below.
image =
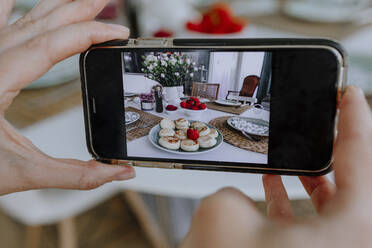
(212, 165)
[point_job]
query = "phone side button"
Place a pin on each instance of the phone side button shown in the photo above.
(154, 165)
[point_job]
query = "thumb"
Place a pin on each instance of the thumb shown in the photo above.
(352, 156)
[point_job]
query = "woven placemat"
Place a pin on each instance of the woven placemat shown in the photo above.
(143, 126)
(237, 139)
(228, 109)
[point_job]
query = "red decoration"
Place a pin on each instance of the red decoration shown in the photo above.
(192, 134)
(218, 20)
(161, 33)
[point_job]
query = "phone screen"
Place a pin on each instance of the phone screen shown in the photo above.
(238, 109)
(215, 105)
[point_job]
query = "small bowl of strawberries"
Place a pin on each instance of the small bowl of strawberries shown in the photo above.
(193, 107)
(171, 109)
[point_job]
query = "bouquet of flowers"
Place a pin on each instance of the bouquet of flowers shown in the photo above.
(173, 69)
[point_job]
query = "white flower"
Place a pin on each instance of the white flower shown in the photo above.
(150, 67)
(162, 75)
(173, 61)
(177, 74)
(150, 76)
(150, 58)
(194, 63)
(191, 74)
(195, 68)
(142, 69)
(163, 63)
(188, 61)
(164, 55)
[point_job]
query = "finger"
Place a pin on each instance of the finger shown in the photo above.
(6, 7)
(278, 204)
(224, 214)
(75, 174)
(69, 13)
(50, 48)
(352, 156)
(320, 190)
(44, 7)
(76, 11)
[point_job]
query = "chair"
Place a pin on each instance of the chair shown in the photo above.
(246, 94)
(205, 90)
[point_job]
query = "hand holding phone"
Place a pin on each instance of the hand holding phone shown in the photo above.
(229, 219)
(27, 51)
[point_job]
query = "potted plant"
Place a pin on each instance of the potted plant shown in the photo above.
(171, 70)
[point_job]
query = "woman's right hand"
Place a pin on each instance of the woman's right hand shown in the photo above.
(229, 218)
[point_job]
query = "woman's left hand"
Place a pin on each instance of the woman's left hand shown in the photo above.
(52, 31)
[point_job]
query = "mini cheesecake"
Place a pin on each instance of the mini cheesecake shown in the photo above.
(181, 134)
(203, 131)
(167, 123)
(168, 142)
(207, 141)
(213, 133)
(166, 132)
(189, 145)
(182, 123)
(198, 124)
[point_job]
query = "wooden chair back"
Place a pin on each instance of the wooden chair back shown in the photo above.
(250, 84)
(205, 90)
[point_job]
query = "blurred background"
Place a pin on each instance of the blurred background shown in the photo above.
(155, 209)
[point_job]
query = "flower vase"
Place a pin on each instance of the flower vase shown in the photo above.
(171, 95)
(180, 91)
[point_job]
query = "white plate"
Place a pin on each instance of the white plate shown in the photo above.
(228, 103)
(129, 94)
(154, 137)
(249, 125)
(131, 117)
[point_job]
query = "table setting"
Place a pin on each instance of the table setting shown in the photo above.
(245, 136)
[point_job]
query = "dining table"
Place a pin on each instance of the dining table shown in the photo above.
(142, 147)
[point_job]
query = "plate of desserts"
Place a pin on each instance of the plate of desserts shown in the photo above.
(185, 136)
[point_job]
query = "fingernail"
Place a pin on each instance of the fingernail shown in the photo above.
(128, 173)
(119, 28)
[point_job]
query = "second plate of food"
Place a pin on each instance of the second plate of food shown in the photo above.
(228, 103)
(249, 125)
(174, 146)
(131, 117)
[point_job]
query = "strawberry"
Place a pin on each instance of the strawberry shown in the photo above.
(171, 108)
(194, 108)
(192, 134)
(188, 106)
(183, 104)
(203, 106)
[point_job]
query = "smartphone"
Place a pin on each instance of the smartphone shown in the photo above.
(238, 105)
